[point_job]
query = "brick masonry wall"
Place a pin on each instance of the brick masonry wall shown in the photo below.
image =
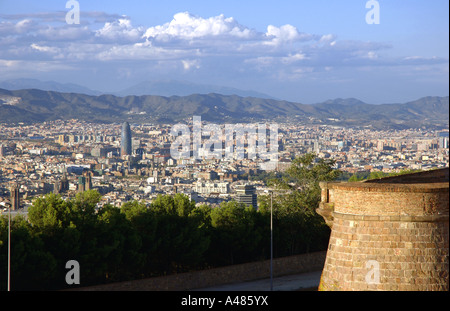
(386, 236)
(386, 255)
(220, 276)
(378, 199)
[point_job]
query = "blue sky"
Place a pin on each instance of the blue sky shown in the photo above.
(305, 51)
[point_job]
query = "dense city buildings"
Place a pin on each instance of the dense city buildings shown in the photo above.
(66, 157)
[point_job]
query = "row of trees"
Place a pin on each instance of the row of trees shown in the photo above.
(360, 176)
(169, 236)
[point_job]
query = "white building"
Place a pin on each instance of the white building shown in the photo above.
(212, 187)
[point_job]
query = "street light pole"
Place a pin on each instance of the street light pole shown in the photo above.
(271, 237)
(9, 250)
(271, 240)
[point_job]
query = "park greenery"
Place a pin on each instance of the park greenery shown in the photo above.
(363, 176)
(169, 235)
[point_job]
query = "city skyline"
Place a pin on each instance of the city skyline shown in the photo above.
(150, 141)
(301, 51)
(59, 164)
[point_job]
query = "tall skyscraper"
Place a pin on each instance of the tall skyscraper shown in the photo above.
(126, 147)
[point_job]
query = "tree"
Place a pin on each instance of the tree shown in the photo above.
(144, 222)
(84, 207)
(49, 212)
(31, 263)
(118, 245)
(356, 178)
(360, 176)
(235, 235)
(301, 186)
(297, 227)
(179, 204)
(180, 237)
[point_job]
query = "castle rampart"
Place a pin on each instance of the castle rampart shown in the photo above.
(388, 234)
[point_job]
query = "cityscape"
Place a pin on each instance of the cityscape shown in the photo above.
(193, 147)
(126, 162)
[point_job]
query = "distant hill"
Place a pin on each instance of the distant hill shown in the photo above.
(160, 88)
(184, 88)
(32, 105)
(21, 84)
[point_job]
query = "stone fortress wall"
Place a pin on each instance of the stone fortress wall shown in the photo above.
(388, 234)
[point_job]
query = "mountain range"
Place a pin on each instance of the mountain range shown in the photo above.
(157, 87)
(184, 88)
(23, 83)
(34, 105)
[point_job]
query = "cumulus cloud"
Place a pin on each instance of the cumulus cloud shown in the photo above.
(182, 39)
(286, 33)
(14, 28)
(186, 26)
(120, 30)
(185, 44)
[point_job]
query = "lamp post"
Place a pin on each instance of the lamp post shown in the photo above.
(271, 238)
(9, 250)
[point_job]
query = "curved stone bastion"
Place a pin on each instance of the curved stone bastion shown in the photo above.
(388, 234)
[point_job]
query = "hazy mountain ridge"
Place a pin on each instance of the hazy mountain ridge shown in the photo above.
(21, 84)
(170, 88)
(38, 105)
(165, 88)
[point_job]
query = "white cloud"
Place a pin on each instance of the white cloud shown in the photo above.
(283, 33)
(21, 27)
(185, 37)
(184, 45)
(328, 39)
(189, 64)
(46, 49)
(16, 67)
(372, 55)
(186, 26)
(119, 30)
(62, 33)
(9, 63)
(293, 58)
(287, 34)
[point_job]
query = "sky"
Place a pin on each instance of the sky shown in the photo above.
(297, 50)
